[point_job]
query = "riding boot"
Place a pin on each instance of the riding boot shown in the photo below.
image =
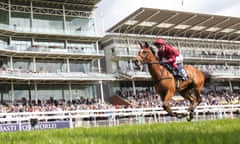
(170, 68)
(181, 73)
(178, 74)
(175, 72)
(185, 76)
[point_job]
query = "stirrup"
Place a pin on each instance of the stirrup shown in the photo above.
(177, 84)
(185, 77)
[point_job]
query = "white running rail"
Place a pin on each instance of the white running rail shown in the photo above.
(108, 117)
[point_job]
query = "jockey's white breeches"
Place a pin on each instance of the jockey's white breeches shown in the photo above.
(179, 59)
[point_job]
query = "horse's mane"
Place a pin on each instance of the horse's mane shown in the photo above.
(151, 48)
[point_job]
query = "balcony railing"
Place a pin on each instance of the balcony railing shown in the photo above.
(212, 57)
(88, 33)
(44, 49)
(55, 76)
(218, 73)
(133, 54)
(8, 74)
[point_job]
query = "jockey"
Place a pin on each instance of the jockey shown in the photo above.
(171, 58)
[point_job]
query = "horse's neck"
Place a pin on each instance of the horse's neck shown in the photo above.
(156, 70)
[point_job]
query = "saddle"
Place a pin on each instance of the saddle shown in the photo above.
(179, 73)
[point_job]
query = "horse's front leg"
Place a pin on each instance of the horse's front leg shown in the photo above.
(166, 103)
(194, 103)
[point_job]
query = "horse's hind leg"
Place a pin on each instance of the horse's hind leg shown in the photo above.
(197, 93)
(187, 94)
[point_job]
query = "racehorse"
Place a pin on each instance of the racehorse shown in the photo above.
(166, 85)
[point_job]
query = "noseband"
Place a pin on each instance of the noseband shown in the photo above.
(143, 57)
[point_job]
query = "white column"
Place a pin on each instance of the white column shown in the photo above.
(9, 12)
(64, 17)
(134, 88)
(31, 18)
(35, 92)
(70, 91)
(34, 64)
(68, 66)
(101, 89)
(12, 92)
(11, 63)
(230, 85)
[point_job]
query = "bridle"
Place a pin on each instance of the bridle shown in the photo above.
(143, 57)
(144, 61)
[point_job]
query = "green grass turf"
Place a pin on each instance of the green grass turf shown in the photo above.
(225, 131)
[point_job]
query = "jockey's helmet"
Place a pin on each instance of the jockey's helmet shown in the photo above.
(159, 41)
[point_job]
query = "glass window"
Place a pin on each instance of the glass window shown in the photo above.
(20, 44)
(20, 21)
(4, 62)
(44, 23)
(80, 66)
(5, 93)
(55, 91)
(23, 65)
(80, 25)
(23, 91)
(82, 47)
(47, 92)
(124, 65)
(51, 66)
(83, 91)
(49, 44)
(4, 18)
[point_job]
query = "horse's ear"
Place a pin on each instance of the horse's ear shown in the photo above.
(146, 45)
(141, 45)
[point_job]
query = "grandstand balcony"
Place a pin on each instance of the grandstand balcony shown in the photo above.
(211, 58)
(37, 32)
(134, 75)
(48, 52)
(71, 20)
(60, 76)
(216, 74)
(123, 53)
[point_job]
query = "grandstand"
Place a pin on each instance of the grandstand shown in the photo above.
(49, 49)
(209, 42)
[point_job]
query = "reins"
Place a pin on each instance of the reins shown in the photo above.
(151, 62)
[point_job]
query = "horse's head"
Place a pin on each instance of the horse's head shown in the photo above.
(145, 55)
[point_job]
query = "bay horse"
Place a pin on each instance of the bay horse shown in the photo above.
(165, 83)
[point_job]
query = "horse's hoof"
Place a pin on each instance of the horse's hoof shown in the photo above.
(189, 119)
(179, 116)
(190, 116)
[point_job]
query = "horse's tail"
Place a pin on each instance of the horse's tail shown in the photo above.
(207, 77)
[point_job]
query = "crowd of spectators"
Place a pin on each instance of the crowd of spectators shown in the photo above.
(219, 69)
(143, 98)
(52, 105)
(232, 52)
(149, 98)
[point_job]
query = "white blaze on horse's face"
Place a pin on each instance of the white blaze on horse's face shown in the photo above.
(138, 61)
